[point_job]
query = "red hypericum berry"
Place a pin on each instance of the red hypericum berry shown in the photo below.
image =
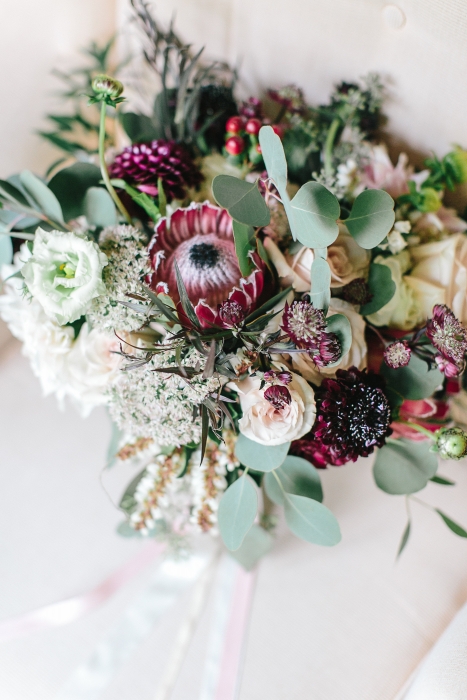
(235, 124)
(258, 148)
(253, 126)
(235, 145)
(278, 129)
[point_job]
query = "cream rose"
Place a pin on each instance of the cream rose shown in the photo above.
(356, 357)
(269, 425)
(403, 311)
(64, 274)
(439, 275)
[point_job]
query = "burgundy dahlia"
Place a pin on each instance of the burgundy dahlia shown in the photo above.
(353, 417)
(142, 164)
(200, 239)
(448, 335)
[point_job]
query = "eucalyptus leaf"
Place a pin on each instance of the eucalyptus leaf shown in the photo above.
(237, 512)
(6, 250)
(244, 237)
(403, 466)
(140, 127)
(44, 196)
(442, 481)
(70, 186)
(257, 544)
(311, 521)
(297, 476)
(273, 154)
(340, 325)
(371, 218)
(415, 381)
(404, 539)
(261, 458)
(381, 286)
(99, 208)
(454, 527)
(242, 200)
(315, 213)
(320, 293)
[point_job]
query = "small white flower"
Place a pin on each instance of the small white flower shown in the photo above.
(64, 274)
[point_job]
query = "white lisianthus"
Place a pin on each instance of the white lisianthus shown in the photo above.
(271, 424)
(64, 274)
(356, 357)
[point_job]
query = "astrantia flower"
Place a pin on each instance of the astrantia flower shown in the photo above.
(397, 354)
(304, 324)
(448, 335)
(64, 274)
(200, 239)
(278, 396)
(329, 350)
(142, 164)
(353, 417)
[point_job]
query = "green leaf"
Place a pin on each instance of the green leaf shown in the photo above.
(244, 237)
(371, 218)
(140, 127)
(267, 306)
(6, 250)
(298, 477)
(311, 521)
(12, 194)
(261, 458)
(184, 299)
(237, 512)
(142, 199)
(381, 286)
(273, 154)
(242, 200)
(442, 481)
(99, 207)
(315, 213)
(70, 186)
(127, 501)
(413, 382)
(340, 325)
(404, 466)
(404, 539)
(257, 544)
(320, 293)
(44, 196)
(457, 529)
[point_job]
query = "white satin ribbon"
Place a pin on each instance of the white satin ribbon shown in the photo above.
(168, 582)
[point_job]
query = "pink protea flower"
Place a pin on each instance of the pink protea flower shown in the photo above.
(201, 240)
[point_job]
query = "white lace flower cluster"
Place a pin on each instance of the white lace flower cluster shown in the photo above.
(125, 248)
(153, 404)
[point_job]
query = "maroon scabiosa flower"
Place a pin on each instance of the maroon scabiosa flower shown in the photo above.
(142, 164)
(448, 335)
(397, 354)
(304, 324)
(200, 239)
(353, 417)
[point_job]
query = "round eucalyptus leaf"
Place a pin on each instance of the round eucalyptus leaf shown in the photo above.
(381, 286)
(242, 200)
(273, 154)
(371, 218)
(70, 186)
(297, 476)
(99, 207)
(413, 382)
(261, 458)
(320, 293)
(6, 250)
(315, 213)
(311, 521)
(404, 466)
(237, 512)
(340, 325)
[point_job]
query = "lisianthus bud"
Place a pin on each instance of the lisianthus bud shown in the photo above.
(456, 162)
(107, 86)
(430, 200)
(451, 443)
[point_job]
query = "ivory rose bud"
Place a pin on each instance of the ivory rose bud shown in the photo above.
(356, 357)
(273, 420)
(64, 274)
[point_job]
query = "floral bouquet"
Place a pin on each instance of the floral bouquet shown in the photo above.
(252, 289)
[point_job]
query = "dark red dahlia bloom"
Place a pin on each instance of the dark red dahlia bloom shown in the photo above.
(304, 324)
(353, 417)
(142, 164)
(449, 336)
(311, 450)
(201, 240)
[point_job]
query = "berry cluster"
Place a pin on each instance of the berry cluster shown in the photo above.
(241, 142)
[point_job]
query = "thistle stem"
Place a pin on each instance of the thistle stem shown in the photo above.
(103, 164)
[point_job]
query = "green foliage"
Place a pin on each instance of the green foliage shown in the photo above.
(454, 527)
(404, 466)
(6, 250)
(311, 521)
(371, 218)
(256, 544)
(242, 200)
(404, 539)
(99, 208)
(244, 237)
(70, 186)
(140, 128)
(315, 211)
(142, 199)
(320, 293)
(413, 382)
(381, 286)
(442, 481)
(127, 501)
(237, 512)
(46, 200)
(340, 325)
(273, 154)
(298, 477)
(114, 442)
(261, 458)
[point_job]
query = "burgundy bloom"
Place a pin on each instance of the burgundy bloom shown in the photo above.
(142, 164)
(353, 417)
(304, 324)
(283, 377)
(397, 354)
(448, 368)
(278, 396)
(329, 350)
(201, 240)
(449, 336)
(290, 97)
(251, 109)
(311, 450)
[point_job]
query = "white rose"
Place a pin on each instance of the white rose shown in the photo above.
(64, 274)
(403, 311)
(439, 275)
(356, 357)
(264, 423)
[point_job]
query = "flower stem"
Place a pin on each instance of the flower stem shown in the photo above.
(418, 428)
(103, 164)
(328, 147)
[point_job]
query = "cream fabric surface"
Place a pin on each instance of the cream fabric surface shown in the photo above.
(345, 623)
